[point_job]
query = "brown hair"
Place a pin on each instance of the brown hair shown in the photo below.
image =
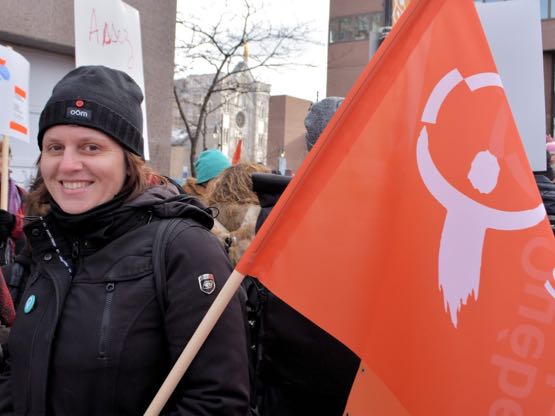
(234, 185)
(139, 178)
(35, 205)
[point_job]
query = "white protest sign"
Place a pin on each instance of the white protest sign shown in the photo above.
(108, 32)
(14, 95)
(513, 30)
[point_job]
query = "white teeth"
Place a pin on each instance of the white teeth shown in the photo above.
(74, 185)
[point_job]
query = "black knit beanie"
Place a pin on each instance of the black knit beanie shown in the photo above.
(101, 98)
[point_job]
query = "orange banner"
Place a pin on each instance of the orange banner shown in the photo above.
(237, 154)
(414, 231)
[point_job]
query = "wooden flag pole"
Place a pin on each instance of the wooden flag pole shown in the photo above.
(195, 343)
(5, 172)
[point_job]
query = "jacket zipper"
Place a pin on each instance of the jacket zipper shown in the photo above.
(105, 323)
(75, 253)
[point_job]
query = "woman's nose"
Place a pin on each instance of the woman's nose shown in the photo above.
(70, 161)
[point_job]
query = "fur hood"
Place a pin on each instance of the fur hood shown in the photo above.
(235, 227)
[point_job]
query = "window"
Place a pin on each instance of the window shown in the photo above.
(353, 28)
(346, 28)
(547, 7)
(240, 119)
(362, 27)
(334, 30)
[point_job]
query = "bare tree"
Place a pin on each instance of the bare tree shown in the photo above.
(218, 46)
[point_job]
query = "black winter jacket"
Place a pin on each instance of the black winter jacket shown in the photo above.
(547, 192)
(300, 368)
(96, 341)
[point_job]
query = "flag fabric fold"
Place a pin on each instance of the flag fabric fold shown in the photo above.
(414, 232)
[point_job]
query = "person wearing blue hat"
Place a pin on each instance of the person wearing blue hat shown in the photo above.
(210, 164)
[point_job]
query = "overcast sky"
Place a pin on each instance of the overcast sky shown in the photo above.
(301, 81)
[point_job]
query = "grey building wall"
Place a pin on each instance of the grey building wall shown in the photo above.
(223, 128)
(48, 25)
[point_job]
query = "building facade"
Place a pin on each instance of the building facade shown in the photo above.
(354, 32)
(43, 32)
(238, 112)
(355, 29)
(286, 132)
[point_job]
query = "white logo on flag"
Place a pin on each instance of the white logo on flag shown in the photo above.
(466, 221)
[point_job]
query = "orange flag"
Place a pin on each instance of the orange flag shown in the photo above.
(237, 154)
(414, 232)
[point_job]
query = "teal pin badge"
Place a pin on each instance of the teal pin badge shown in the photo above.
(30, 304)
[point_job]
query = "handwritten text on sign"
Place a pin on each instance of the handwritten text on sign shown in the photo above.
(108, 32)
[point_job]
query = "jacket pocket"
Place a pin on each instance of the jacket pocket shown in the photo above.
(106, 321)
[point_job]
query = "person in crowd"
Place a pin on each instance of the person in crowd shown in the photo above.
(551, 151)
(7, 310)
(13, 277)
(16, 273)
(544, 180)
(11, 220)
(91, 336)
(208, 165)
(12, 240)
(230, 193)
(299, 368)
(317, 118)
(7, 315)
(190, 187)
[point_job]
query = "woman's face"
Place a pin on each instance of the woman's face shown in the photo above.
(82, 167)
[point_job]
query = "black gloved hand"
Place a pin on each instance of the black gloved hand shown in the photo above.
(7, 222)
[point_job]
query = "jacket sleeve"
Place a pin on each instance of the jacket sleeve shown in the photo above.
(217, 381)
(548, 198)
(6, 406)
(17, 230)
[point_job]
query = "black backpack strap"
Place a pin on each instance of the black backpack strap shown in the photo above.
(159, 248)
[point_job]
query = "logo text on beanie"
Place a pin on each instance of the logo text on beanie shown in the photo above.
(72, 112)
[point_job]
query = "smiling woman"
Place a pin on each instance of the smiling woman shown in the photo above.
(91, 330)
(81, 167)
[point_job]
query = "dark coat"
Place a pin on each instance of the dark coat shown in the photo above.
(301, 369)
(96, 341)
(547, 192)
